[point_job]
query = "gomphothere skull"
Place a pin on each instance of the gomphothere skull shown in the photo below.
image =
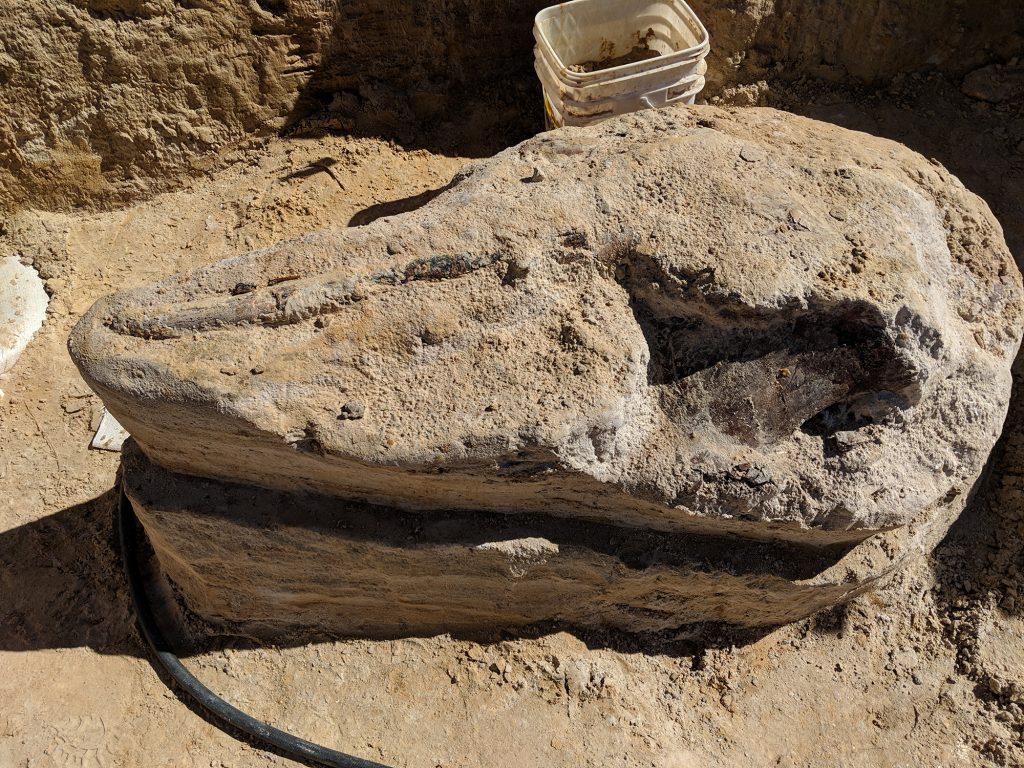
(690, 321)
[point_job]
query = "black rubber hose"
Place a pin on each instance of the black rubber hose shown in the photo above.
(301, 749)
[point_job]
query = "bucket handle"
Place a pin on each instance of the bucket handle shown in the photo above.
(662, 98)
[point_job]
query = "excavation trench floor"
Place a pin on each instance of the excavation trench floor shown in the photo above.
(918, 674)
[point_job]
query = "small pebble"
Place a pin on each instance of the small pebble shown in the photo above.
(798, 219)
(431, 336)
(352, 410)
(535, 177)
(751, 154)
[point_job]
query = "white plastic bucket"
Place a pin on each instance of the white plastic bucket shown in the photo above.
(627, 86)
(592, 30)
(590, 104)
(582, 30)
(598, 76)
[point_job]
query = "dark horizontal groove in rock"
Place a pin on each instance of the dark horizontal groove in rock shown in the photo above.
(635, 548)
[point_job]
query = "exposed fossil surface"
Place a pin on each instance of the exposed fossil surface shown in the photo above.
(689, 320)
(324, 564)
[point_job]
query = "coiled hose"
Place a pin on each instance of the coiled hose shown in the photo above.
(262, 733)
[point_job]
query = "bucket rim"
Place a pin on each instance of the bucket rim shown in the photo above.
(700, 50)
(567, 77)
(540, 61)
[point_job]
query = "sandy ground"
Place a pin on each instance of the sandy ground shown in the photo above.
(927, 672)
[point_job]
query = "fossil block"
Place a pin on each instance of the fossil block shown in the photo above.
(276, 565)
(697, 321)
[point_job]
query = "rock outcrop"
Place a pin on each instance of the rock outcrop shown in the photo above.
(700, 322)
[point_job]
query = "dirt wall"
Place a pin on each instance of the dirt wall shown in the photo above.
(862, 40)
(104, 98)
(106, 101)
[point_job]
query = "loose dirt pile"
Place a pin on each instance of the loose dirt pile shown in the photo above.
(642, 51)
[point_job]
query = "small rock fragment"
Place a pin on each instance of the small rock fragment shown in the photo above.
(799, 219)
(995, 83)
(535, 176)
(431, 336)
(752, 474)
(577, 677)
(352, 410)
(752, 154)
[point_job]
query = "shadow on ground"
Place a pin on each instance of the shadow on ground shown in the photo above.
(64, 587)
(453, 79)
(62, 582)
(395, 207)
